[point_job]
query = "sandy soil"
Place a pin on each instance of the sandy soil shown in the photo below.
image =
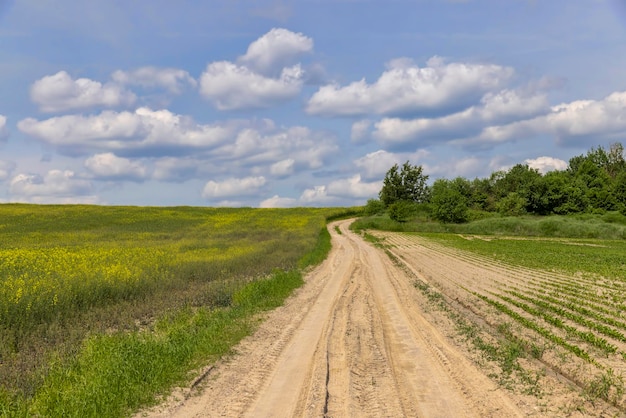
(352, 342)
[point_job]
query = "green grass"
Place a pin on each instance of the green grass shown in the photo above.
(596, 257)
(105, 352)
(608, 226)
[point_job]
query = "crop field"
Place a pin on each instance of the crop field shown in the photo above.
(533, 307)
(70, 274)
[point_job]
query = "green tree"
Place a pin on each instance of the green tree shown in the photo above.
(449, 200)
(404, 184)
(374, 207)
(402, 210)
(512, 205)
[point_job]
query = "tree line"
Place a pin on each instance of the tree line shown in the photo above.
(594, 182)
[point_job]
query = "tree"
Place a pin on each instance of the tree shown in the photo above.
(374, 207)
(404, 184)
(450, 205)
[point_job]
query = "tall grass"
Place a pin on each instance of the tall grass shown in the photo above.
(609, 226)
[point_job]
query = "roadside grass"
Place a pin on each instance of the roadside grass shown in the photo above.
(611, 225)
(108, 355)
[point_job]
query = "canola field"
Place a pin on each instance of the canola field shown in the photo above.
(55, 260)
(71, 271)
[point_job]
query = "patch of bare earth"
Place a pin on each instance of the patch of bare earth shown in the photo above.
(360, 340)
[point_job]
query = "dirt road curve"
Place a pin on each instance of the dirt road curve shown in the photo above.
(352, 342)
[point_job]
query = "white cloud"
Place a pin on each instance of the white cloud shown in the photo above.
(317, 195)
(110, 166)
(55, 186)
(501, 107)
(172, 79)
(283, 168)
(248, 186)
(406, 88)
(575, 122)
(467, 167)
(374, 166)
(6, 169)
(185, 149)
(4, 131)
(230, 86)
(354, 187)
(59, 92)
(143, 130)
(341, 192)
(545, 164)
(279, 202)
(275, 50)
(269, 145)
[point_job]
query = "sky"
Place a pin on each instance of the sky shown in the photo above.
(278, 103)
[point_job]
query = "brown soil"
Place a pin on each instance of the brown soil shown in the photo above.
(360, 340)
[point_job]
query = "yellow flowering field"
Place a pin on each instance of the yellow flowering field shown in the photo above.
(55, 260)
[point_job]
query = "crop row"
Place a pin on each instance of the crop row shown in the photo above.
(579, 352)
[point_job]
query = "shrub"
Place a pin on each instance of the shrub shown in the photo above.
(401, 211)
(374, 207)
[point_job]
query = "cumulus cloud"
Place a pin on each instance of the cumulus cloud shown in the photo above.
(275, 50)
(6, 169)
(267, 74)
(467, 167)
(270, 145)
(233, 187)
(59, 92)
(283, 168)
(172, 79)
(570, 123)
(55, 186)
(405, 88)
(178, 143)
(279, 202)
(346, 191)
(230, 86)
(374, 166)
(144, 130)
(545, 164)
(108, 166)
(494, 108)
(354, 187)
(317, 195)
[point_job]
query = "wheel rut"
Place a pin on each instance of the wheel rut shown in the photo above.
(351, 342)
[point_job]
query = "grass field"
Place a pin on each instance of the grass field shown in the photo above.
(101, 308)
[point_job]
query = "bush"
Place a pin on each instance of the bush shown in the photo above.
(374, 207)
(450, 206)
(512, 205)
(401, 211)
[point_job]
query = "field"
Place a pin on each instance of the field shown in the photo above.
(76, 281)
(535, 311)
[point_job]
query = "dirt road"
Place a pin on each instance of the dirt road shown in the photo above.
(352, 342)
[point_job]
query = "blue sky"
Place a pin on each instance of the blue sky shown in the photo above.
(296, 103)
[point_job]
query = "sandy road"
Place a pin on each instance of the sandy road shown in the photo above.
(352, 342)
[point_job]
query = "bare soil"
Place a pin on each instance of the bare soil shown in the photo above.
(360, 340)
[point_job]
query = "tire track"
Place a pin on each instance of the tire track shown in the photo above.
(352, 342)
